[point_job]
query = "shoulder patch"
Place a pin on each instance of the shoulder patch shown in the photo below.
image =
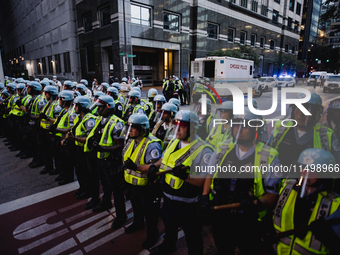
(146, 107)
(120, 108)
(155, 154)
(41, 102)
(142, 103)
(335, 145)
(140, 111)
(206, 157)
(119, 125)
(90, 123)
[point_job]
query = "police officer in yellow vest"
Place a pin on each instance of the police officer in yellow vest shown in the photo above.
(222, 131)
(33, 109)
(2, 101)
(83, 124)
(113, 92)
(5, 99)
(205, 121)
(11, 89)
(158, 102)
(104, 140)
(333, 117)
(242, 185)
(309, 202)
(149, 106)
(63, 126)
(168, 88)
(17, 117)
(198, 90)
(141, 150)
(291, 141)
(181, 191)
(133, 105)
(164, 125)
(47, 116)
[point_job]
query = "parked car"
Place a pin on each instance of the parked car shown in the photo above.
(267, 83)
(257, 91)
(286, 81)
(332, 83)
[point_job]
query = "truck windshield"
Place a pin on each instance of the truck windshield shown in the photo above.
(333, 78)
(314, 76)
(262, 79)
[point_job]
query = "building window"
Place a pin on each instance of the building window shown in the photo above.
(212, 31)
(57, 63)
(293, 49)
(87, 22)
(104, 15)
(289, 23)
(90, 61)
(244, 3)
(264, 10)
(67, 62)
(275, 16)
(286, 47)
(277, 1)
(291, 5)
(254, 6)
(38, 66)
(262, 42)
(141, 15)
(272, 44)
(50, 65)
(296, 26)
(171, 21)
(243, 37)
(252, 40)
(298, 8)
(231, 34)
(44, 67)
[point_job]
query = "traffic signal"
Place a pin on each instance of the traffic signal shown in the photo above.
(311, 67)
(327, 60)
(316, 59)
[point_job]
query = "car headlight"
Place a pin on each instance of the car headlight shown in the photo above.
(326, 84)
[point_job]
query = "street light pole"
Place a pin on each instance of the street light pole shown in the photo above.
(126, 59)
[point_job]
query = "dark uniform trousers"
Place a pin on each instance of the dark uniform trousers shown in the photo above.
(17, 124)
(236, 229)
(33, 142)
(111, 177)
(93, 179)
(44, 144)
(67, 156)
(175, 214)
(82, 170)
(145, 204)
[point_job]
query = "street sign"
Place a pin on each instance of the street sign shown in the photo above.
(122, 54)
(131, 56)
(125, 67)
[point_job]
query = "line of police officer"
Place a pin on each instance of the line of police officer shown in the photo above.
(153, 145)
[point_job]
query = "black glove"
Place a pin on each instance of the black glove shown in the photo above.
(152, 173)
(129, 164)
(248, 205)
(95, 146)
(43, 116)
(205, 210)
(52, 128)
(180, 173)
(18, 102)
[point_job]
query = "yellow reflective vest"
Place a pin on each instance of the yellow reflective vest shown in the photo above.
(183, 156)
(106, 138)
(325, 205)
(49, 111)
(16, 110)
(322, 138)
(81, 130)
(137, 156)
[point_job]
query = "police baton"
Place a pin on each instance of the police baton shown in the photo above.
(169, 171)
(231, 206)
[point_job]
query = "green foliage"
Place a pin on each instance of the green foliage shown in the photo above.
(333, 11)
(324, 53)
(244, 52)
(289, 62)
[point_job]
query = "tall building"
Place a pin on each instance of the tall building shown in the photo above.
(145, 38)
(155, 39)
(39, 39)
